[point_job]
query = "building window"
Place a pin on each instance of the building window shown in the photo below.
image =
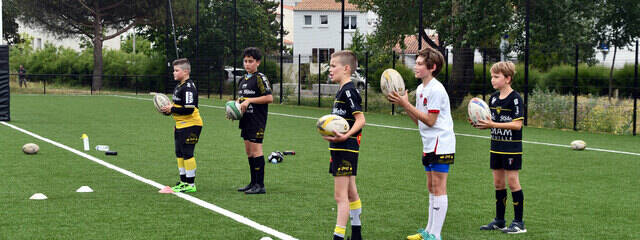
(38, 43)
(307, 20)
(324, 20)
(323, 53)
(350, 22)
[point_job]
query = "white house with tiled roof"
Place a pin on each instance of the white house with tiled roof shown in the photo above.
(317, 27)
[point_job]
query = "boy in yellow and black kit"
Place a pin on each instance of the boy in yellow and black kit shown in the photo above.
(344, 148)
(188, 124)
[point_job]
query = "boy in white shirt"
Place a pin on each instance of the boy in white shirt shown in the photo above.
(432, 114)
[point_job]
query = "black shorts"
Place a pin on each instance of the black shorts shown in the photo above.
(506, 161)
(432, 158)
(185, 140)
(343, 163)
(254, 135)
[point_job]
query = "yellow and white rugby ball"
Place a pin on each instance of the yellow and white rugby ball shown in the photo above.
(329, 123)
(390, 81)
(160, 100)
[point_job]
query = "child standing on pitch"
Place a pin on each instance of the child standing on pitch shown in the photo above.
(255, 95)
(188, 124)
(432, 114)
(344, 148)
(506, 146)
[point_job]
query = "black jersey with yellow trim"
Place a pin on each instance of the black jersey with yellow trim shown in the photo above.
(252, 86)
(506, 141)
(347, 103)
(185, 105)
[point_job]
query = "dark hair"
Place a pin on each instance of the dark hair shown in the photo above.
(252, 52)
(431, 57)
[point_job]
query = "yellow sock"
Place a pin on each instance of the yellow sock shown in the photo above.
(180, 163)
(340, 231)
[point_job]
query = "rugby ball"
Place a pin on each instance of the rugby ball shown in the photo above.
(478, 110)
(328, 123)
(160, 100)
(30, 148)
(232, 110)
(578, 145)
(390, 81)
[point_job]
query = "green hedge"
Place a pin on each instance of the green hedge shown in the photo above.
(60, 60)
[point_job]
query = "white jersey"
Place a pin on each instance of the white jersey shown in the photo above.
(440, 138)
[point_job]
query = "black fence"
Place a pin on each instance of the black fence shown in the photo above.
(571, 96)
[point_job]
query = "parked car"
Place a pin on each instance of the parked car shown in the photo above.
(358, 79)
(229, 74)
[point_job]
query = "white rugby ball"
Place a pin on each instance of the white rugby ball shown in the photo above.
(232, 110)
(328, 123)
(578, 145)
(390, 81)
(30, 148)
(160, 100)
(478, 110)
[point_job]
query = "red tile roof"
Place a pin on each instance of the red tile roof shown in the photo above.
(411, 44)
(320, 5)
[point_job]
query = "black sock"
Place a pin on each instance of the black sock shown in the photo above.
(518, 204)
(356, 233)
(501, 202)
(253, 171)
(183, 178)
(336, 237)
(191, 180)
(259, 166)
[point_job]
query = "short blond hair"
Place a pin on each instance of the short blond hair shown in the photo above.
(183, 64)
(506, 68)
(346, 57)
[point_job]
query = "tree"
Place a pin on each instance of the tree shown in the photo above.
(98, 20)
(556, 27)
(617, 25)
(9, 24)
(463, 24)
(256, 27)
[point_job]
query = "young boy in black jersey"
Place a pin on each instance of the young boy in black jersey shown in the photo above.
(188, 124)
(255, 95)
(507, 115)
(344, 148)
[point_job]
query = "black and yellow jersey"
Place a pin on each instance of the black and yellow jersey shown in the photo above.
(252, 86)
(185, 105)
(347, 103)
(506, 141)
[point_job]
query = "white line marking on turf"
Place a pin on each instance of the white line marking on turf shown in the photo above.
(189, 198)
(415, 129)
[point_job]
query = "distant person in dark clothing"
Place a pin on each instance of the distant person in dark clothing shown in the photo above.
(22, 76)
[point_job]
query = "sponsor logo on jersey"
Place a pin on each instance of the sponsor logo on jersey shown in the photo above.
(339, 111)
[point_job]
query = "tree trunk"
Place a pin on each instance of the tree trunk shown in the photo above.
(97, 64)
(461, 75)
(613, 62)
(462, 72)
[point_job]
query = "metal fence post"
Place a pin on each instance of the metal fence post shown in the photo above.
(319, 85)
(135, 84)
(484, 73)
(635, 92)
(299, 76)
(44, 87)
(575, 93)
(393, 106)
(366, 78)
